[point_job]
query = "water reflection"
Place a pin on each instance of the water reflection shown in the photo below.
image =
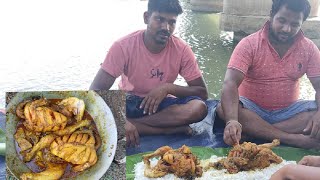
(211, 46)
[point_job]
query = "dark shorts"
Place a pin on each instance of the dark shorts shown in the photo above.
(277, 116)
(133, 102)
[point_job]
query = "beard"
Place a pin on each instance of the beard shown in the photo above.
(162, 37)
(281, 37)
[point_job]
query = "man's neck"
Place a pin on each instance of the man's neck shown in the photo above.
(152, 46)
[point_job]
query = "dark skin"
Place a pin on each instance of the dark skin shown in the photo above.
(173, 119)
(303, 130)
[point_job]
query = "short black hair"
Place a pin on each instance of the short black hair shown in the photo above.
(167, 6)
(294, 5)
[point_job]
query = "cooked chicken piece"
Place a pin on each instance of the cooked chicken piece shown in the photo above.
(43, 143)
(40, 118)
(181, 162)
(72, 106)
(263, 159)
(248, 156)
(21, 139)
(72, 128)
(32, 136)
(49, 157)
(231, 164)
(20, 109)
(77, 148)
(39, 160)
(53, 172)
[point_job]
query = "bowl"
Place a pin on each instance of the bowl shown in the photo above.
(95, 106)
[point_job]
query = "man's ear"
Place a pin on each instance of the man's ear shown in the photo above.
(146, 17)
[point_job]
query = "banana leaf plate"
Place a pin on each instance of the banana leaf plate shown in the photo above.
(287, 153)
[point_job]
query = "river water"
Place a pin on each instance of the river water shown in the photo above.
(59, 45)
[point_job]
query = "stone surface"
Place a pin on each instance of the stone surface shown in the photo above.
(259, 8)
(207, 5)
(245, 25)
(116, 102)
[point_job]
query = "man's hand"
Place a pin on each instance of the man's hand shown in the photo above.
(310, 161)
(151, 102)
(313, 126)
(132, 135)
(232, 132)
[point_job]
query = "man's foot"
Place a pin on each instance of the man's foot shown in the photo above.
(187, 130)
(306, 142)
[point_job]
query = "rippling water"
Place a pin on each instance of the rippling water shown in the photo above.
(59, 45)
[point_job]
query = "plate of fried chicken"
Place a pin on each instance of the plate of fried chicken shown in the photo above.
(59, 135)
(243, 161)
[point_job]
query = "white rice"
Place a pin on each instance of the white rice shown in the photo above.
(259, 174)
(213, 174)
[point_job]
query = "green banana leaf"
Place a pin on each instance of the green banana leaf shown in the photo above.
(2, 143)
(287, 153)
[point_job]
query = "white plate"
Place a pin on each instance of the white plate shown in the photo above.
(96, 107)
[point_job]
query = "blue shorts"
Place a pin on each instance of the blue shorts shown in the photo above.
(133, 103)
(281, 114)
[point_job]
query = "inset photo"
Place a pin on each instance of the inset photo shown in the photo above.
(2, 144)
(65, 135)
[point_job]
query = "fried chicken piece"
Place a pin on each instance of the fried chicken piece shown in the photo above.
(160, 169)
(40, 118)
(72, 128)
(21, 139)
(248, 156)
(181, 162)
(20, 109)
(72, 106)
(39, 160)
(43, 143)
(53, 172)
(77, 148)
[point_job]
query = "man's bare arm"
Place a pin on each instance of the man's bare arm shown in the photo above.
(316, 85)
(152, 100)
(230, 94)
(196, 87)
(102, 81)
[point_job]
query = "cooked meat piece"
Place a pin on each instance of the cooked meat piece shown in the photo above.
(72, 106)
(72, 128)
(248, 156)
(77, 148)
(43, 143)
(20, 109)
(53, 172)
(40, 118)
(181, 162)
(20, 137)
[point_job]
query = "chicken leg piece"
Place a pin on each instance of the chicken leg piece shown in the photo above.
(53, 172)
(43, 143)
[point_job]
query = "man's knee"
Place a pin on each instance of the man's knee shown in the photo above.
(198, 110)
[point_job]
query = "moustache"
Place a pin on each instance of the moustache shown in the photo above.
(163, 32)
(285, 34)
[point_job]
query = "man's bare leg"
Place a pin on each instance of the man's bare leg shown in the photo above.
(176, 115)
(296, 124)
(254, 126)
(149, 130)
